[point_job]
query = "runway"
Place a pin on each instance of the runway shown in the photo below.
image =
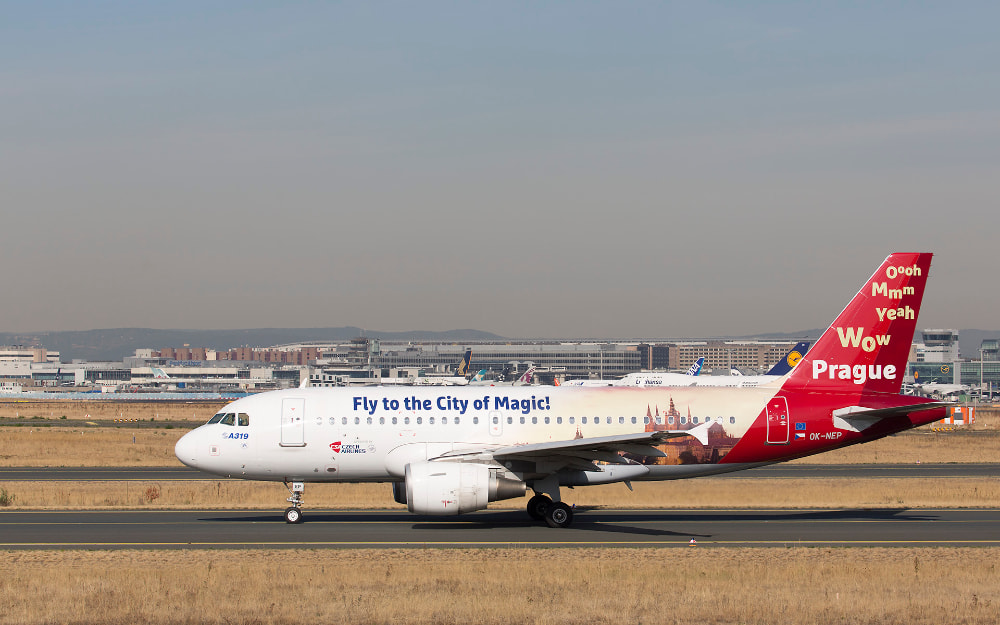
(780, 471)
(325, 529)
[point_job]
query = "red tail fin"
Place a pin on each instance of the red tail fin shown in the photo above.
(865, 350)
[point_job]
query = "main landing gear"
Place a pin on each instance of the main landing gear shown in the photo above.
(554, 513)
(293, 514)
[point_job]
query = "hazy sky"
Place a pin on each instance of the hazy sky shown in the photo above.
(555, 169)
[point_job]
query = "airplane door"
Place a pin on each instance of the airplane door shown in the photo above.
(777, 421)
(496, 424)
(293, 422)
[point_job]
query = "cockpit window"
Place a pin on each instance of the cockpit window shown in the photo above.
(243, 419)
(216, 418)
(229, 419)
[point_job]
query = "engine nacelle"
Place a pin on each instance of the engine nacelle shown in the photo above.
(455, 487)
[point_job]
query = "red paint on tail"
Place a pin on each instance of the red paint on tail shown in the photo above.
(864, 351)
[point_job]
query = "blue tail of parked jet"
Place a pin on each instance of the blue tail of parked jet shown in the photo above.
(463, 367)
(791, 359)
(696, 367)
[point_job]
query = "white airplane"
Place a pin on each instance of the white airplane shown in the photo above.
(684, 379)
(737, 379)
(525, 379)
(942, 390)
(461, 377)
(453, 450)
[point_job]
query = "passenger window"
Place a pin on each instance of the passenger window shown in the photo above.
(608, 421)
(584, 420)
(216, 418)
(496, 420)
(645, 420)
(395, 421)
(522, 420)
(558, 420)
(444, 420)
(510, 420)
(229, 419)
(621, 420)
(343, 421)
(684, 420)
(381, 420)
(534, 420)
(732, 419)
(475, 420)
(420, 420)
(357, 420)
(369, 420)
(456, 420)
(694, 419)
(572, 420)
(243, 419)
(670, 420)
(406, 421)
(430, 420)
(633, 420)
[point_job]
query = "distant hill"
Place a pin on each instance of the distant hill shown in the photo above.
(115, 344)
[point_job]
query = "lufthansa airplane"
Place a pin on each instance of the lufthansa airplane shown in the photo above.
(453, 450)
(659, 378)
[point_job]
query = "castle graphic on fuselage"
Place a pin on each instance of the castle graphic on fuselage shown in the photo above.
(687, 449)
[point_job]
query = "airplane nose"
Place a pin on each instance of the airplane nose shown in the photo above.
(186, 450)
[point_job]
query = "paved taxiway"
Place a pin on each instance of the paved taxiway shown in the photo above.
(786, 471)
(591, 528)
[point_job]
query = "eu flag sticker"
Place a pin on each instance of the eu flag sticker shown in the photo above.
(800, 426)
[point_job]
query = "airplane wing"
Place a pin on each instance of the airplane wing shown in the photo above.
(858, 418)
(581, 453)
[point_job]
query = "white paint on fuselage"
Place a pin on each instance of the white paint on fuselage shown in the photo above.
(371, 433)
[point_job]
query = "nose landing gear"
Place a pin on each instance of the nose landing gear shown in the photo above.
(293, 514)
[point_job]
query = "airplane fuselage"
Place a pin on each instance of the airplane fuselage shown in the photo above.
(371, 433)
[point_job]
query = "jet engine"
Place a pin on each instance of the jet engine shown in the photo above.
(444, 488)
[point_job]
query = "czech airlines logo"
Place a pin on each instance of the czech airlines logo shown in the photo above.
(350, 448)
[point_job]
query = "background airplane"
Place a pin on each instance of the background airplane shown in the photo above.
(684, 379)
(659, 378)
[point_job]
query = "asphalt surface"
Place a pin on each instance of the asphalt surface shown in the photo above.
(591, 528)
(781, 471)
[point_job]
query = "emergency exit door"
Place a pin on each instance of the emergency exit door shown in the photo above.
(777, 421)
(293, 422)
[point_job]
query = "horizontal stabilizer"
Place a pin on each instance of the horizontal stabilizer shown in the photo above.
(859, 418)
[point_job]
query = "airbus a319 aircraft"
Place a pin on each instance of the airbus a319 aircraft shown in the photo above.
(453, 450)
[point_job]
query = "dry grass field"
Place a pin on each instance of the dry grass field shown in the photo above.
(680, 494)
(96, 410)
(504, 586)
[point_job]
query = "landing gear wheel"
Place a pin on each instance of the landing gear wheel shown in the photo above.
(537, 506)
(559, 515)
(293, 515)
